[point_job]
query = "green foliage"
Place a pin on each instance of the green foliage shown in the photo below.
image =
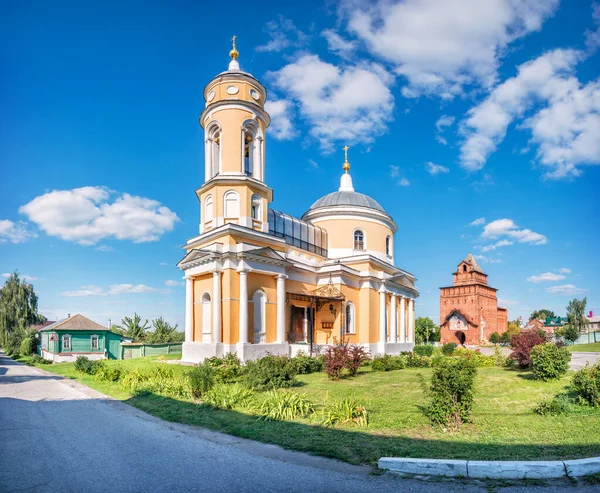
(569, 333)
(227, 369)
(228, 396)
(12, 342)
(495, 338)
(452, 392)
(415, 361)
(343, 356)
(541, 314)
(108, 373)
(270, 372)
(475, 357)
(347, 411)
(549, 361)
(163, 332)
(424, 350)
(522, 345)
(426, 331)
(285, 405)
(36, 359)
(553, 407)
(18, 310)
(448, 348)
(133, 327)
(84, 365)
(504, 338)
(576, 315)
(388, 362)
(201, 379)
(306, 365)
(500, 359)
(159, 380)
(26, 348)
(586, 382)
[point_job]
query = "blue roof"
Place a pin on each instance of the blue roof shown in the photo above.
(347, 198)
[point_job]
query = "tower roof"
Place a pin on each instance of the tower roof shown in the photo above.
(469, 259)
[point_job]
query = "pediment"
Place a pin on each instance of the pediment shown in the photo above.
(195, 257)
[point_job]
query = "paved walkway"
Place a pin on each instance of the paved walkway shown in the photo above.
(60, 436)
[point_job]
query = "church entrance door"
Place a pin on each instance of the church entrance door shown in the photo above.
(460, 335)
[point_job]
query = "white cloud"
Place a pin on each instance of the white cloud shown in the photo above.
(403, 182)
(592, 38)
(487, 260)
(104, 248)
(478, 222)
(22, 276)
(130, 288)
(440, 125)
(442, 46)
(284, 34)
(340, 103)
(14, 232)
(566, 289)
(504, 302)
(86, 215)
(546, 276)
(436, 169)
(164, 264)
(281, 113)
(564, 123)
(507, 227)
(86, 291)
(395, 173)
(498, 244)
(337, 44)
(564, 270)
(172, 283)
(313, 164)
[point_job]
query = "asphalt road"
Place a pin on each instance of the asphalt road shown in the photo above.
(59, 436)
(578, 360)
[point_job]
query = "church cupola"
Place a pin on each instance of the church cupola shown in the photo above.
(235, 124)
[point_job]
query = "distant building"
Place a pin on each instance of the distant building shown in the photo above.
(535, 324)
(469, 311)
(593, 322)
(552, 324)
(41, 326)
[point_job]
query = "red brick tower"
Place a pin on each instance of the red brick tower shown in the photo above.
(469, 311)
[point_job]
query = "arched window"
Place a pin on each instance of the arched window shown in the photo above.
(388, 246)
(252, 149)
(255, 208)
(213, 149)
(208, 209)
(464, 268)
(259, 300)
(359, 240)
(206, 314)
(350, 318)
(232, 205)
(248, 155)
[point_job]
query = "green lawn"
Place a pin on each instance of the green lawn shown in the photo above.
(503, 426)
(593, 347)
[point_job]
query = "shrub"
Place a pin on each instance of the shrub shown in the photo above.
(586, 382)
(553, 407)
(424, 350)
(522, 344)
(335, 361)
(227, 369)
(357, 355)
(36, 359)
(201, 379)
(228, 396)
(110, 373)
(308, 364)
(344, 412)
(504, 338)
(475, 357)
(452, 392)
(159, 380)
(270, 372)
(26, 347)
(448, 348)
(500, 359)
(495, 338)
(13, 342)
(415, 361)
(388, 363)
(83, 364)
(285, 405)
(549, 362)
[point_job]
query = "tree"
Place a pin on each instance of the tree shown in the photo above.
(541, 314)
(163, 332)
(495, 338)
(513, 329)
(569, 333)
(576, 316)
(132, 327)
(18, 308)
(504, 338)
(426, 331)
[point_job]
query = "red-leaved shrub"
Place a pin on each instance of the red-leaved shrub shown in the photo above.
(344, 356)
(522, 344)
(357, 355)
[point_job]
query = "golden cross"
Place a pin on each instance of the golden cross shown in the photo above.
(233, 41)
(345, 149)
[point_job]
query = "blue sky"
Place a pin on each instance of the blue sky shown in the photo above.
(475, 124)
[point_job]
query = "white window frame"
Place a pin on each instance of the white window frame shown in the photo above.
(355, 242)
(92, 341)
(66, 337)
(233, 197)
(255, 207)
(350, 327)
(208, 209)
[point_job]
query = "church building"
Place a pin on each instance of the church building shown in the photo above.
(259, 281)
(469, 311)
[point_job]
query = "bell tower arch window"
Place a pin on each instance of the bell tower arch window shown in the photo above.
(208, 209)
(359, 239)
(252, 143)
(212, 150)
(388, 246)
(232, 205)
(255, 208)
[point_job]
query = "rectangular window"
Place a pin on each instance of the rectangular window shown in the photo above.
(66, 342)
(94, 342)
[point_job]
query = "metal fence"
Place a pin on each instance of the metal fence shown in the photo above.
(139, 350)
(588, 338)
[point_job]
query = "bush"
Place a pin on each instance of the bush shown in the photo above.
(586, 382)
(270, 372)
(500, 359)
(504, 338)
(159, 380)
(109, 373)
(553, 407)
(227, 369)
(228, 396)
(448, 348)
(344, 356)
(415, 361)
(26, 347)
(388, 363)
(82, 364)
(549, 362)
(285, 405)
(452, 392)
(201, 379)
(522, 344)
(479, 360)
(357, 355)
(347, 411)
(424, 350)
(13, 343)
(36, 359)
(495, 338)
(307, 364)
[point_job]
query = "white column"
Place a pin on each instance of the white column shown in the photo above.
(394, 319)
(244, 306)
(382, 315)
(281, 308)
(411, 320)
(402, 319)
(217, 337)
(189, 309)
(208, 157)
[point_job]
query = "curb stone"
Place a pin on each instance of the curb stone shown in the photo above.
(492, 469)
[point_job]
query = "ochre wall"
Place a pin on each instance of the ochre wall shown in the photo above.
(201, 285)
(340, 233)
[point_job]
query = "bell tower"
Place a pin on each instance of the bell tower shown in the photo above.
(235, 124)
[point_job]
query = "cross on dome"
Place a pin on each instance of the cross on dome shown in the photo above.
(346, 180)
(234, 53)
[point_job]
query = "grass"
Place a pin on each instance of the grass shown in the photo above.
(593, 347)
(503, 425)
